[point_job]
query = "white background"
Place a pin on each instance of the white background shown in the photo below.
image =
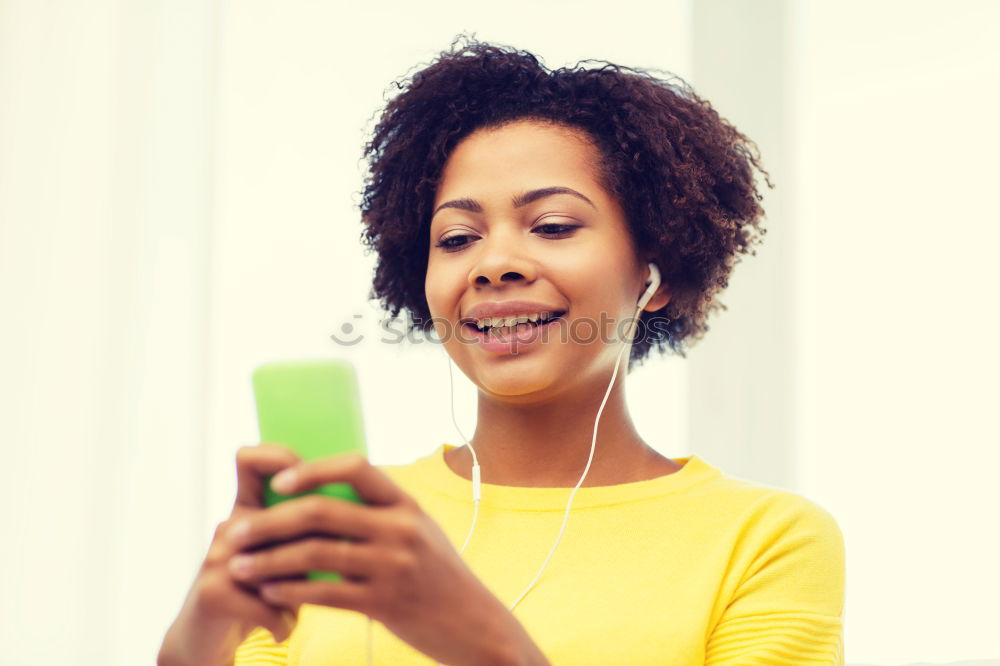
(178, 204)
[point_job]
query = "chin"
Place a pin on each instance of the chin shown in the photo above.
(519, 385)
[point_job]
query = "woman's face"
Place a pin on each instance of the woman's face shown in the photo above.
(500, 233)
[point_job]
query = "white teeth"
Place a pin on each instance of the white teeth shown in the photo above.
(508, 322)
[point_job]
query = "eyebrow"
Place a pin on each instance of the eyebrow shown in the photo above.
(518, 200)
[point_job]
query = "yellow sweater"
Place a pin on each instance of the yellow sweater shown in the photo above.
(691, 568)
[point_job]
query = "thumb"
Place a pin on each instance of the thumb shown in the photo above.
(285, 625)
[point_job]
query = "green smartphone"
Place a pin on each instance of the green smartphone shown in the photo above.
(313, 407)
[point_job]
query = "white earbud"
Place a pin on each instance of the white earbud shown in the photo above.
(653, 282)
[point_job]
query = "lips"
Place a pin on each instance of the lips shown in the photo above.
(495, 330)
(513, 341)
(507, 309)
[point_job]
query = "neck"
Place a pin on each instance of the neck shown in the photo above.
(547, 444)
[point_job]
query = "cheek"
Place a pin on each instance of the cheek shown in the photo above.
(442, 326)
(432, 282)
(596, 287)
(601, 298)
(443, 291)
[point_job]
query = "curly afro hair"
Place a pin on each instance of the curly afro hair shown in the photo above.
(683, 176)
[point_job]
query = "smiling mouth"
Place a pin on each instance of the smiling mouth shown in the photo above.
(508, 330)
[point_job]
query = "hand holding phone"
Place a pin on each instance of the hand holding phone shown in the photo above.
(312, 407)
(219, 612)
(307, 411)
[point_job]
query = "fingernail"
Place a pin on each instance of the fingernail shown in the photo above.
(239, 532)
(284, 481)
(241, 565)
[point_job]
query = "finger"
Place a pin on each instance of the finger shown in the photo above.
(348, 558)
(254, 464)
(344, 594)
(297, 518)
(229, 599)
(279, 621)
(371, 483)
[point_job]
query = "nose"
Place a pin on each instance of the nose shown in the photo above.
(502, 260)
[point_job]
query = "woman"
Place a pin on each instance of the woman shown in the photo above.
(529, 217)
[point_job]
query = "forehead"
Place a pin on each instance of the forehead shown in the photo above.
(519, 156)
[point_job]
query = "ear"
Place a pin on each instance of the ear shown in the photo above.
(659, 300)
(660, 297)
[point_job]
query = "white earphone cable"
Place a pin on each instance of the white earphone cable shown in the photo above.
(652, 284)
(593, 447)
(476, 482)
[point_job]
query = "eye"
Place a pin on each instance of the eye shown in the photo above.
(460, 241)
(558, 230)
(452, 243)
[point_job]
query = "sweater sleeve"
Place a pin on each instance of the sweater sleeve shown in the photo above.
(788, 605)
(260, 649)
